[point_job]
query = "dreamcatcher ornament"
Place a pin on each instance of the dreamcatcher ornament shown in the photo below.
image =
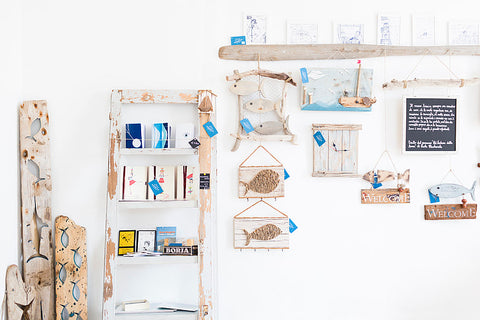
(261, 98)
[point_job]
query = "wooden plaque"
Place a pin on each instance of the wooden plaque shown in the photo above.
(385, 196)
(450, 211)
(70, 269)
(249, 177)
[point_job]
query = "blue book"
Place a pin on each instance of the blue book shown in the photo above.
(163, 233)
(134, 135)
(160, 135)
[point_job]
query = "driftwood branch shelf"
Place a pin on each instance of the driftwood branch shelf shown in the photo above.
(278, 52)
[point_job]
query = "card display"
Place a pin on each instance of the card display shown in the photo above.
(134, 183)
(146, 240)
(161, 133)
(126, 241)
(134, 136)
(184, 132)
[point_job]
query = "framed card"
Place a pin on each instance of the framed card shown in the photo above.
(146, 240)
(126, 241)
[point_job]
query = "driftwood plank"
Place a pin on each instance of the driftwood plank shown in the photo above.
(385, 196)
(19, 296)
(278, 52)
(416, 83)
(36, 187)
(450, 211)
(158, 96)
(70, 269)
(244, 226)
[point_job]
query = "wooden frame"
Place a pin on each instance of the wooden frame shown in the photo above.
(404, 123)
(244, 227)
(205, 102)
(338, 156)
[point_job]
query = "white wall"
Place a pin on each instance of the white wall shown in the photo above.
(346, 261)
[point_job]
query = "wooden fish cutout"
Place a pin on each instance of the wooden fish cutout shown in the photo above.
(245, 87)
(64, 238)
(265, 181)
(62, 274)
(452, 190)
(260, 105)
(64, 315)
(266, 232)
(77, 258)
(36, 226)
(269, 127)
(25, 310)
(34, 129)
(35, 170)
(75, 291)
(384, 175)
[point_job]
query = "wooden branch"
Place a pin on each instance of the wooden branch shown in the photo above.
(264, 73)
(278, 52)
(415, 83)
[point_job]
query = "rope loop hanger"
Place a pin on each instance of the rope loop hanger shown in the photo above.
(237, 216)
(268, 152)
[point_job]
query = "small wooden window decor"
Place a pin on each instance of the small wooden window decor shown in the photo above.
(261, 96)
(252, 232)
(261, 181)
(337, 153)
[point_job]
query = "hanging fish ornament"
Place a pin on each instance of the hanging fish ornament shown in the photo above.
(378, 176)
(62, 274)
(269, 127)
(265, 181)
(451, 190)
(245, 87)
(64, 239)
(259, 105)
(77, 258)
(75, 291)
(266, 232)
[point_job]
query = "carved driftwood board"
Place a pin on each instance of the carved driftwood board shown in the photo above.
(20, 297)
(205, 102)
(450, 211)
(36, 188)
(385, 196)
(338, 156)
(70, 269)
(261, 232)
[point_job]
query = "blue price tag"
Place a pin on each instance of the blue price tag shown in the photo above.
(155, 186)
(291, 226)
(304, 73)
(433, 198)
(210, 129)
(247, 126)
(319, 138)
(286, 175)
(240, 40)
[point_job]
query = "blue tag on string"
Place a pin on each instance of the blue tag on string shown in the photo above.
(319, 138)
(433, 198)
(155, 186)
(286, 175)
(304, 73)
(210, 129)
(247, 126)
(291, 226)
(375, 183)
(240, 40)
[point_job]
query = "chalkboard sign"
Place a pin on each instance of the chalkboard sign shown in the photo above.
(430, 125)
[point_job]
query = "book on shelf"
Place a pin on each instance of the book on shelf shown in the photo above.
(135, 305)
(165, 235)
(134, 136)
(134, 183)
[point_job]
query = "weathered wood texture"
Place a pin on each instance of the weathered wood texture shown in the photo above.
(450, 211)
(416, 83)
(263, 73)
(278, 52)
(20, 297)
(338, 156)
(250, 176)
(205, 102)
(36, 188)
(385, 196)
(70, 268)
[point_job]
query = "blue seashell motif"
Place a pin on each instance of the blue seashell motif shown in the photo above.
(64, 238)
(77, 258)
(64, 314)
(75, 291)
(62, 274)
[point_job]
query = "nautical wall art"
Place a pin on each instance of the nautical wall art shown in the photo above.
(70, 269)
(335, 150)
(261, 232)
(337, 89)
(261, 181)
(261, 97)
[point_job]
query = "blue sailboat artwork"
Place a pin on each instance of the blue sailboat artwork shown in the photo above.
(327, 86)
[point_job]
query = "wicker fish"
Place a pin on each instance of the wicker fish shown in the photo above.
(264, 181)
(266, 232)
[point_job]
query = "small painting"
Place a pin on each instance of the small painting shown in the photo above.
(349, 33)
(255, 28)
(126, 241)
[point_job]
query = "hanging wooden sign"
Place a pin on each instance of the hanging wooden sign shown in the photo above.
(385, 196)
(335, 150)
(261, 232)
(70, 269)
(450, 211)
(261, 181)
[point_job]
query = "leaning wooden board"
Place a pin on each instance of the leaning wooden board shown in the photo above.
(36, 188)
(19, 296)
(70, 269)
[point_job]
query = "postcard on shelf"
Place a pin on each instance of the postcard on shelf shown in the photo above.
(187, 183)
(134, 183)
(146, 240)
(184, 132)
(161, 135)
(134, 136)
(126, 241)
(166, 178)
(165, 233)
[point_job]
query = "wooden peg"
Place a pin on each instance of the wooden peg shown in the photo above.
(464, 203)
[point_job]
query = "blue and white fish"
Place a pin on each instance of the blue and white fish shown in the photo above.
(451, 190)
